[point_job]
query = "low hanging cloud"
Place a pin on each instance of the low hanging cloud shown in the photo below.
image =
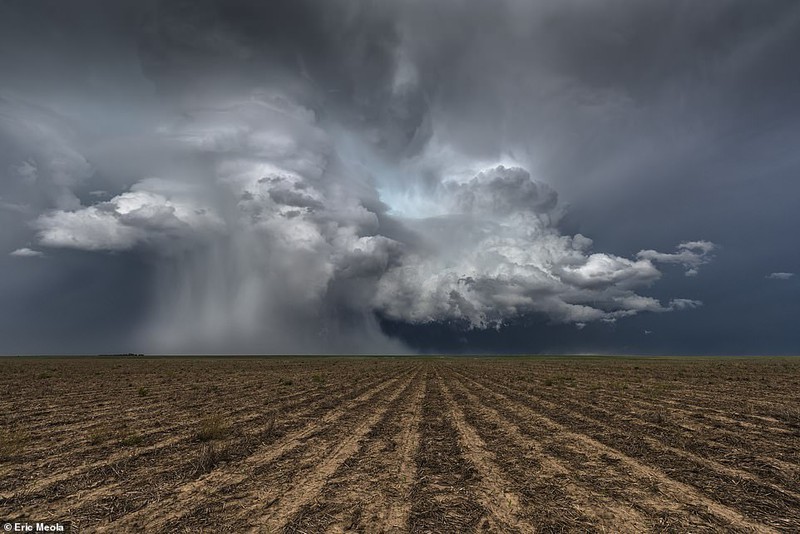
(779, 276)
(690, 255)
(26, 252)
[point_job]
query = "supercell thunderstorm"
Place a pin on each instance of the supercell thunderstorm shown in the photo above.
(295, 210)
(283, 230)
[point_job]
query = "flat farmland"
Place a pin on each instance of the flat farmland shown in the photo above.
(402, 444)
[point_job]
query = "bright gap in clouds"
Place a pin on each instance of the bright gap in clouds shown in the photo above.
(410, 203)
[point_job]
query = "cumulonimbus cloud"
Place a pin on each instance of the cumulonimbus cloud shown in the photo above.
(287, 227)
(295, 175)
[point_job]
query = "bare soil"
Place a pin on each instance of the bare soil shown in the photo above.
(402, 444)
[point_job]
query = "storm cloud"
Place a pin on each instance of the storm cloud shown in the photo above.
(306, 176)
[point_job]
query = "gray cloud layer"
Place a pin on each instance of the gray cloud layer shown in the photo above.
(293, 171)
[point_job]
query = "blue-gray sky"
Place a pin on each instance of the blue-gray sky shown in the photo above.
(357, 176)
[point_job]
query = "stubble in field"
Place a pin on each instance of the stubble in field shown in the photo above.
(402, 444)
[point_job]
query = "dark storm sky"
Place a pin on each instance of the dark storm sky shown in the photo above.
(400, 176)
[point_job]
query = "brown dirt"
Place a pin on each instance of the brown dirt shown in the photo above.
(402, 444)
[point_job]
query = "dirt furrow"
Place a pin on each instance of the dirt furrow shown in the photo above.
(757, 499)
(496, 493)
(369, 491)
(445, 494)
(74, 403)
(780, 440)
(357, 495)
(730, 419)
(107, 419)
(127, 480)
(716, 404)
(579, 491)
(56, 482)
(79, 442)
(402, 444)
(131, 479)
(171, 508)
(48, 473)
(626, 451)
(406, 444)
(272, 493)
(741, 449)
(722, 453)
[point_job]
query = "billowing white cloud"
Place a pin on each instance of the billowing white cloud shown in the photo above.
(26, 252)
(499, 192)
(136, 217)
(499, 256)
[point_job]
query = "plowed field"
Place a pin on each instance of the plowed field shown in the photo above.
(402, 444)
